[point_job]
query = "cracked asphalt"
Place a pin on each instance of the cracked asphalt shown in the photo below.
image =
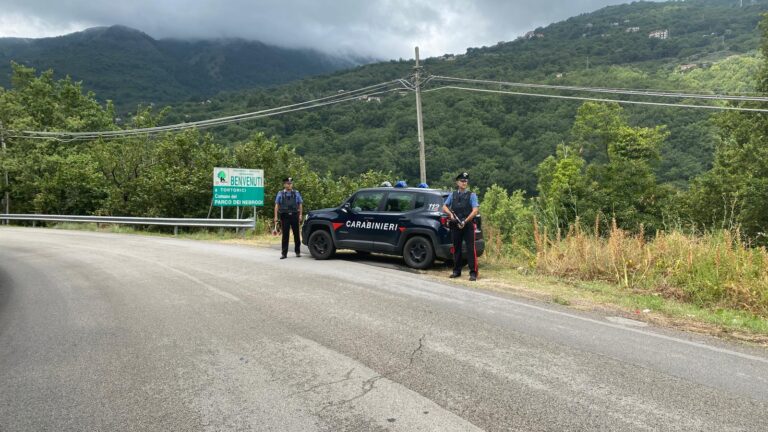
(104, 332)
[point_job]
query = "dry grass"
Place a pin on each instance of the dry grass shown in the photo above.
(714, 270)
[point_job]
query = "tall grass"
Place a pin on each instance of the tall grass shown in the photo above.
(712, 270)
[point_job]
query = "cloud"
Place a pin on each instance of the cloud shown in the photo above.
(383, 28)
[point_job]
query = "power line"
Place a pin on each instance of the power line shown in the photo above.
(346, 96)
(380, 88)
(403, 84)
(675, 105)
(625, 92)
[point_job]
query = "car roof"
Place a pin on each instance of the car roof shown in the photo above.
(409, 189)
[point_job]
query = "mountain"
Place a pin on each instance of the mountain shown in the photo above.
(130, 67)
(696, 45)
(693, 46)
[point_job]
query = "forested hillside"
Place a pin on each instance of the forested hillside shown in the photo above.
(502, 139)
(129, 67)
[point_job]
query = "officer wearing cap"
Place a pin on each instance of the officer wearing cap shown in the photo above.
(288, 209)
(462, 207)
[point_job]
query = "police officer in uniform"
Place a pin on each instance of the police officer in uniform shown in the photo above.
(462, 207)
(288, 208)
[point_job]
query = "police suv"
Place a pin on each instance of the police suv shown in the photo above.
(397, 221)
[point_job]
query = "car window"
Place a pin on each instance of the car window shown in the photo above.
(399, 202)
(432, 202)
(367, 201)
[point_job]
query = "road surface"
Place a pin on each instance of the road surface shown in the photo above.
(103, 332)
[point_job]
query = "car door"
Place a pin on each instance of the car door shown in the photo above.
(396, 206)
(361, 211)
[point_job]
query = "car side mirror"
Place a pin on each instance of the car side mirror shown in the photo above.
(346, 208)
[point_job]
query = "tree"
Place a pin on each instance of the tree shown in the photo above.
(564, 189)
(46, 175)
(179, 183)
(510, 215)
(125, 163)
(618, 180)
(735, 191)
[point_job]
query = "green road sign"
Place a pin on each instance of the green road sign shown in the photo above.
(238, 187)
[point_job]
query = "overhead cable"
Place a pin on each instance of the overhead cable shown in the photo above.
(631, 102)
(626, 92)
(202, 124)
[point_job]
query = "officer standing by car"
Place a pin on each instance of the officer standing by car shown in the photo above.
(288, 210)
(462, 207)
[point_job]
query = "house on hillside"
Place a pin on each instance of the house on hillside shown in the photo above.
(687, 67)
(659, 34)
(632, 29)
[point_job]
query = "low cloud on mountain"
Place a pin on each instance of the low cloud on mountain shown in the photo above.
(381, 28)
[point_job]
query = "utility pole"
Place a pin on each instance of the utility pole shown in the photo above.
(419, 121)
(5, 171)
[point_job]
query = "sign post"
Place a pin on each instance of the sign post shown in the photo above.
(236, 187)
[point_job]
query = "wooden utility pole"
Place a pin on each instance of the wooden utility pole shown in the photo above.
(419, 121)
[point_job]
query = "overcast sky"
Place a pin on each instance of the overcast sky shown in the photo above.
(382, 28)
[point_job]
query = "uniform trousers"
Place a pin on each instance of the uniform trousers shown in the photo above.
(467, 236)
(290, 221)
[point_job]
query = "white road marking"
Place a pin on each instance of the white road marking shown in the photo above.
(627, 322)
(629, 329)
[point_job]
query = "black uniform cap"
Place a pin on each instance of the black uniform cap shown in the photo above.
(288, 180)
(462, 176)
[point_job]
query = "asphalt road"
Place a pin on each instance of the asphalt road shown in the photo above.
(102, 332)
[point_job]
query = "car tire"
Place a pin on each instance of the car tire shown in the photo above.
(418, 253)
(321, 245)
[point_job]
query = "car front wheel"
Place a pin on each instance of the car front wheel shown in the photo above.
(321, 245)
(418, 253)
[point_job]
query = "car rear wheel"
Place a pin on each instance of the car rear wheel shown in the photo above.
(321, 245)
(418, 253)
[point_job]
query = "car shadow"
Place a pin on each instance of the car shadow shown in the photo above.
(377, 260)
(384, 261)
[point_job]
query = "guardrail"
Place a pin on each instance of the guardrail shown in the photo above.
(123, 220)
